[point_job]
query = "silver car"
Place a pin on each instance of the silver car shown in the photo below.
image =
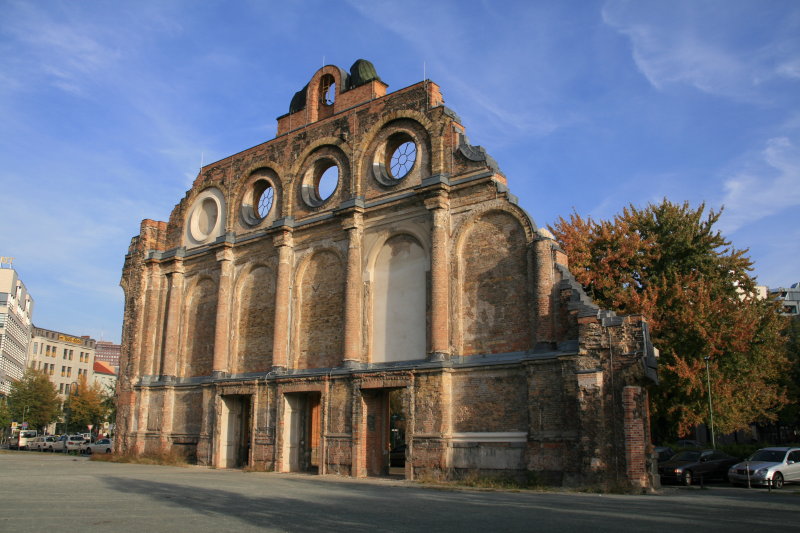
(768, 465)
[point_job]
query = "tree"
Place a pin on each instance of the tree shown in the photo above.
(5, 415)
(87, 404)
(34, 399)
(668, 263)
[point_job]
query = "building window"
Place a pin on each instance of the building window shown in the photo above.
(63, 371)
(61, 388)
(35, 348)
(69, 371)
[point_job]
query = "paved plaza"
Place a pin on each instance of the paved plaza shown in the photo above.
(49, 492)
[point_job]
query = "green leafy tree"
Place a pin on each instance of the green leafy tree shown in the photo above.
(790, 415)
(87, 404)
(5, 414)
(668, 263)
(34, 399)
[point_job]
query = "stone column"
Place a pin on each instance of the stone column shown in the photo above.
(439, 205)
(280, 348)
(222, 334)
(172, 329)
(353, 300)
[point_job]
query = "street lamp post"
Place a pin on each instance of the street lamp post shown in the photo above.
(710, 406)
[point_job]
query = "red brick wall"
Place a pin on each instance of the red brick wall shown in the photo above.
(202, 316)
(496, 293)
(255, 321)
(489, 401)
(637, 435)
(321, 331)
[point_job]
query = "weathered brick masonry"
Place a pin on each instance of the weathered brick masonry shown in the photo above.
(362, 293)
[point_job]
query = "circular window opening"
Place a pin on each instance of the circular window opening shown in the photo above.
(264, 198)
(402, 160)
(207, 217)
(327, 182)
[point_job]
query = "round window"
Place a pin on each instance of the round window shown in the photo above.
(327, 182)
(395, 158)
(320, 181)
(264, 201)
(206, 217)
(402, 160)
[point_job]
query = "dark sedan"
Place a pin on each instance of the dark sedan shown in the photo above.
(689, 466)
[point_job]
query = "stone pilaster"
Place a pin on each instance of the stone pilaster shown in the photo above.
(150, 328)
(353, 303)
(280, 348)
(172, 328)
(222, 334)
(544, 301)
(439, 206)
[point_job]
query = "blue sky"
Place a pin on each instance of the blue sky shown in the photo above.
(108, 107)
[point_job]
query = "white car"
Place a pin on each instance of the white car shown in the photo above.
(68, 443)
(767, 466)
(43, 443)
(99, 446)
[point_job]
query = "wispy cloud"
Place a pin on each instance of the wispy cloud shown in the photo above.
(488, 74)
(693, 43)
(763, 183)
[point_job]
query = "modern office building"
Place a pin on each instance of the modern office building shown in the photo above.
(16, 311)
(107, 352)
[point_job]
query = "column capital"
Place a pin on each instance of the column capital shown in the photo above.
(175, 267)
(353, 220)
(437, 200)
(283, 238)
(226, 254)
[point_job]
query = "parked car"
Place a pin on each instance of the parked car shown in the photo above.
(36, 444)
(768, 465)
(665, 453)
(100, 446)
(48, 443)
(688, 466)
(68, 443)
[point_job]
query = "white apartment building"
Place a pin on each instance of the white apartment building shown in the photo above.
(62, 356)
(16, 311)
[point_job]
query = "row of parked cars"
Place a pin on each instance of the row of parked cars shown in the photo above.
(70, 443)
(767, 467)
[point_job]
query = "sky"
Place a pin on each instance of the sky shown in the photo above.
(108, 108)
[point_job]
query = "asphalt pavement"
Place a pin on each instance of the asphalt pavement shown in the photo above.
(54, 492)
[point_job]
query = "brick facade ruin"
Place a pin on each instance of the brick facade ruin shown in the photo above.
(405, 315)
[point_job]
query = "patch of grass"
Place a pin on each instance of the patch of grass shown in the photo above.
(170, 458)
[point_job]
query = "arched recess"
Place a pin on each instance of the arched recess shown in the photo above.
(201, 320)
(320, 332)
(254, 321)
(495, 288)
(399, 300)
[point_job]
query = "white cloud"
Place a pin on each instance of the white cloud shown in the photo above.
(695, 44)
(763, 184)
